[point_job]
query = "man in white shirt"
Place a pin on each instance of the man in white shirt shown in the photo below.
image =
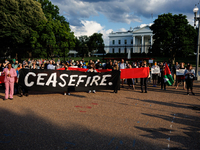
(50, 66)
(122, 65)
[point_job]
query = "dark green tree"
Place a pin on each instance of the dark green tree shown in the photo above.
(85, 44)
(82, 45)
(96, 43)
(18, 19)
(173, 36)
(52, 38)
(51, 10)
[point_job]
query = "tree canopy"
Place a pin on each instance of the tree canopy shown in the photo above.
(34, 28)
(18, 18)
(173, 36)
(85, 44)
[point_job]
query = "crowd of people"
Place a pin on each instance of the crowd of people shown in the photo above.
(186, 78)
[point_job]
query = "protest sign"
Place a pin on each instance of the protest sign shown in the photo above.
(180, 72)
(155, 70)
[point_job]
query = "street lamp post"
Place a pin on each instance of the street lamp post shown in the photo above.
(195, 10)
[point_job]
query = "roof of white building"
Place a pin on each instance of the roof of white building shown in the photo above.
(136, 30)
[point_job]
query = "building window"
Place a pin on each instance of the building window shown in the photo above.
(113, 42)
(140, 50)
(113, 50)
(125, 41)
(122, 50)
(132, 50)
(119, 42)
(116, 50)
(131, 41)
(119, 50)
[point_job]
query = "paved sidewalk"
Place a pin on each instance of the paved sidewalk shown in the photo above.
(129, 120)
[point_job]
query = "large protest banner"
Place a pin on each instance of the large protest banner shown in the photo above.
(125, 73)
(62, 80)
(135, 73)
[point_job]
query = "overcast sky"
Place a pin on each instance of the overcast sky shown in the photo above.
(89, 16)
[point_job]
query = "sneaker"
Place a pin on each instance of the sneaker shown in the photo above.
(65, 93)
(4, 99)
(89, 91)
(193, 93)
(161, 89)
(145, 91)
(188, 94)
(165, 89)
(11, 98)
(68, 93)
(122, 86)
(94, 91)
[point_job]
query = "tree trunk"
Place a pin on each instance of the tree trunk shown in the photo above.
(173, 57)
(30, 54)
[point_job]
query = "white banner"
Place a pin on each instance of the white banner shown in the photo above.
(155, 70)
(180, 72)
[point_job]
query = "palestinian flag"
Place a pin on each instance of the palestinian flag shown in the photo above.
(168, 79)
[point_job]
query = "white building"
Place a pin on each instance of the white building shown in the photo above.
(137, 40)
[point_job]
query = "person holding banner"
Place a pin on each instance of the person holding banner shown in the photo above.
(189, 77)
(180, 75)
(122, 65)
(10, 74)
(92, 69)
(143, 81)
(130, 82)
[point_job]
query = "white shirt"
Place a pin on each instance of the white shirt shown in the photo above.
(122, 66)
(50, 66)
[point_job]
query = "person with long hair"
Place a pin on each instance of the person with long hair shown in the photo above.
(189, 77)
(130, 82)
(9, 80)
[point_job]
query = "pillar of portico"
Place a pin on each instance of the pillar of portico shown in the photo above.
(134, 44)
(142, 43)
(151, 40)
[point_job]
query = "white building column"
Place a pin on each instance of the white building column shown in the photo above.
(151, 40)
(134, 44)
(142, 43)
